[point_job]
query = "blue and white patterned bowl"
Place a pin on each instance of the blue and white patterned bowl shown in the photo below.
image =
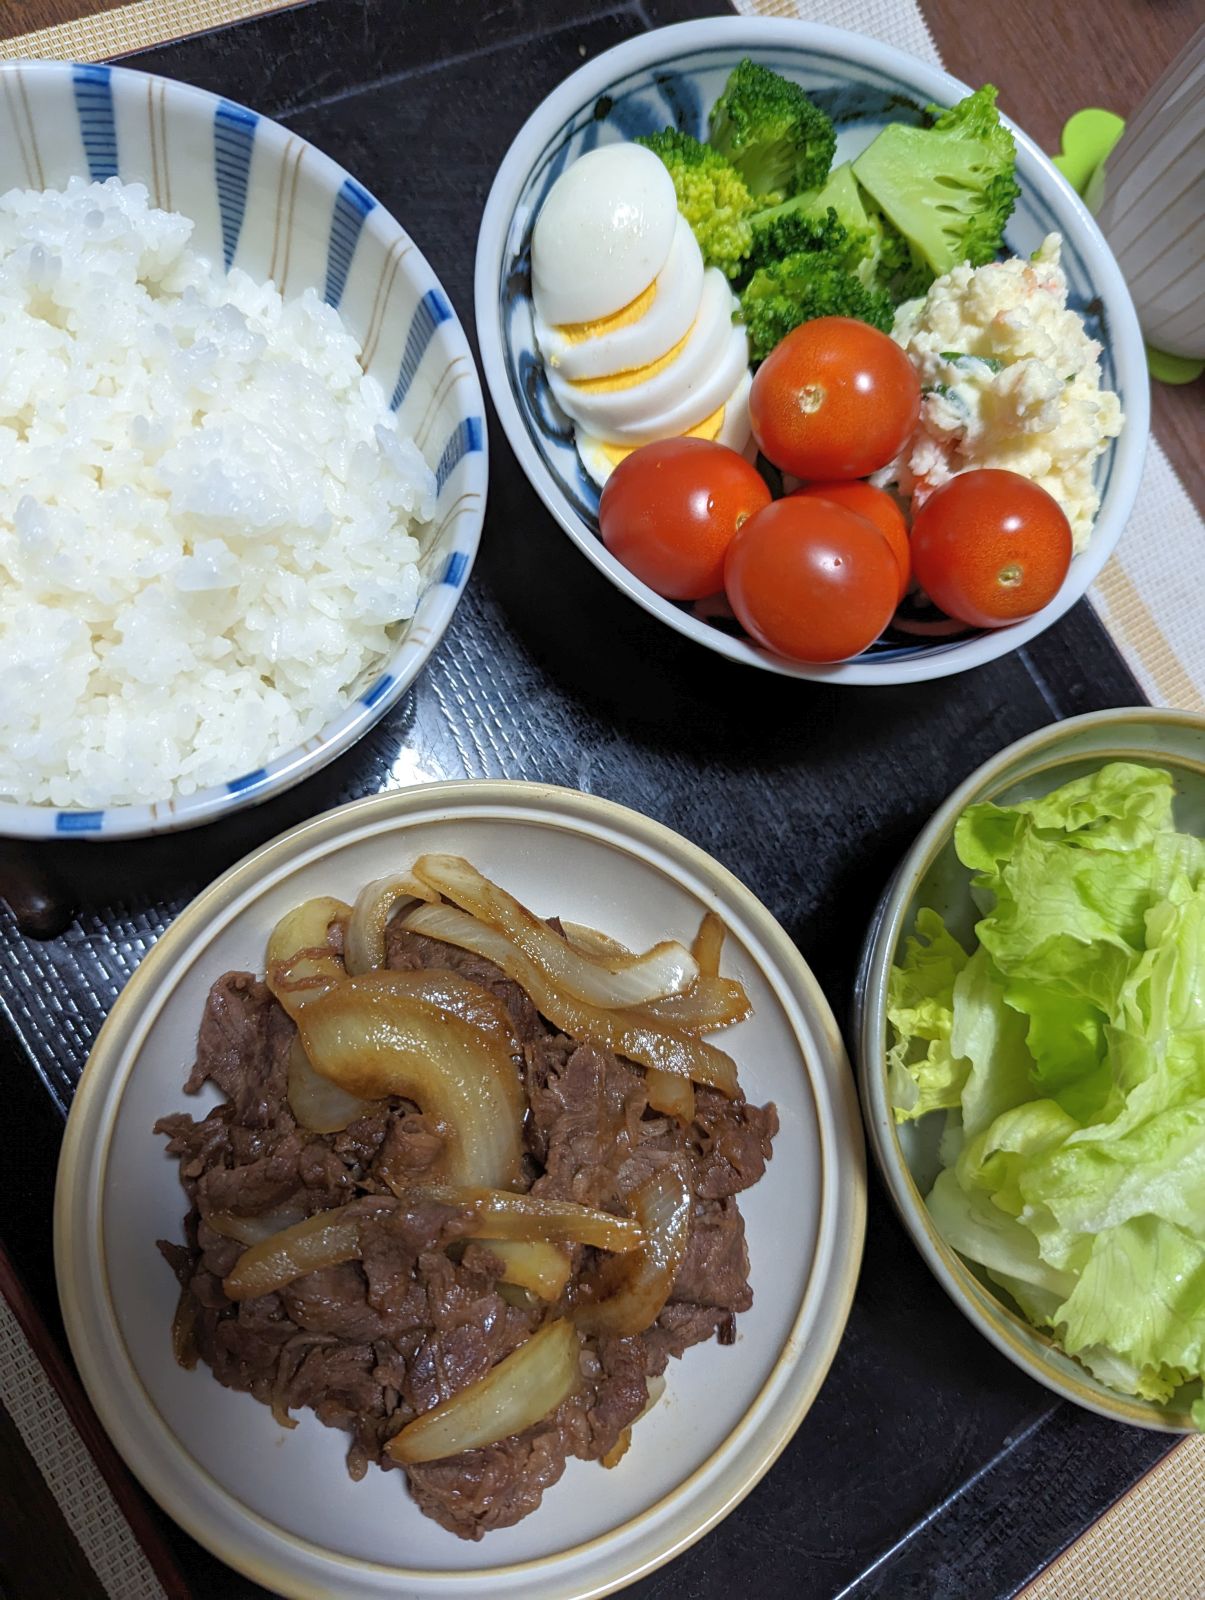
(263, 199)
(674, 75)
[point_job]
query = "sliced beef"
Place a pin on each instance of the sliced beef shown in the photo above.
(679, 1326)
(471, 1494)
(265, 1184)
(372, 1342)
(734, 1141)
(411, 1148)
(360, 1142)
(589, 1113)
(716, 1269)
(243, 1047)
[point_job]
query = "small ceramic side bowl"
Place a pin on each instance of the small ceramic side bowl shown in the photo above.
(264, 200)
(673, 76)
(930, 875)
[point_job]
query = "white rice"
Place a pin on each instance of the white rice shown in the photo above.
(206, 513)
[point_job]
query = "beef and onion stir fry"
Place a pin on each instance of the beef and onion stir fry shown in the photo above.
(473, 1183)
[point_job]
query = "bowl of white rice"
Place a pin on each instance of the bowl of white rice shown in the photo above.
(243, 452)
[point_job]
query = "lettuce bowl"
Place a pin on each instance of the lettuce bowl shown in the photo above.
(908, 1153)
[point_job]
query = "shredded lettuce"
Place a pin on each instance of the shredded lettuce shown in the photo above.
(1068, 1052)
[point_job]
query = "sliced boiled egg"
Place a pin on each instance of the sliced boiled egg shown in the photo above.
(729, 425)
(672, 393)
(648, 326)
(603, 234)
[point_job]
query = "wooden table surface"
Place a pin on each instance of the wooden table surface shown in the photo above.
(1048, 57)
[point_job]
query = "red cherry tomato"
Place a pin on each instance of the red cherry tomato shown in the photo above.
(670, 509)
(810, 580)
(836, 399)
(877, 506)
(990, 547)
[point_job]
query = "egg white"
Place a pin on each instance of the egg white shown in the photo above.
(603, 234)
(677, 290)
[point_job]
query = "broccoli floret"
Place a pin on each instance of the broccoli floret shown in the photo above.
(786, 229)
(898, 266)
(711, 196)
(809, 284)
(859, 232)
(771, 132)
(949, 188)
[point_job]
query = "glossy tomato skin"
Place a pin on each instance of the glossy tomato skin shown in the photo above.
(811, 580)
(670, 509)
(877, 506)
(836, 399)
(990, 547)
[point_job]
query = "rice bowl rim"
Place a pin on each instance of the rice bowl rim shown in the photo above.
(438, 598)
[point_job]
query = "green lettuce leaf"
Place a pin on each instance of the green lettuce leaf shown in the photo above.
(1068, 1053)
(922, 1071)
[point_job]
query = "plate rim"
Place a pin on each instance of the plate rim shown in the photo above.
(309, 1568)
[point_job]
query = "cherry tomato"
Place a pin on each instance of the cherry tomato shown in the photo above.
(990, 547)
(811, 580)
(670, 509)
(877, 506)
(836, 399)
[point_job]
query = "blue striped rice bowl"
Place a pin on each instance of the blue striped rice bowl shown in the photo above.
(264, 200)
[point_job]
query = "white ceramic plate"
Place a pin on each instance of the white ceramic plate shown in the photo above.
(279, 1506)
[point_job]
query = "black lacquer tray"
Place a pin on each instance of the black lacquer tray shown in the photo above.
(928, 1467)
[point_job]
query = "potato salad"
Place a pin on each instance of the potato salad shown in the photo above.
(1010, 379)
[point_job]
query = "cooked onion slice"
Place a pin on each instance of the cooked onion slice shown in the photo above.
(593, 943)
(708, 945)
(464, 999)
(301, 962)
(532, 1264)
(498, 1214)
(319, 1105)
(641, 1038)
(633, 1290)
(608, 980)
(253, 1230)
(618, 1450)
(323, 1240)
(710, 1003)
(374, 1041)
(672, 1095)
(364, 942)
(520, 1391)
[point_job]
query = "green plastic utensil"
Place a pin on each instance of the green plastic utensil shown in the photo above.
(1087, 139)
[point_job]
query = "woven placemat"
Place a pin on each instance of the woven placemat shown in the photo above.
(134, 27)
(1147, 1547)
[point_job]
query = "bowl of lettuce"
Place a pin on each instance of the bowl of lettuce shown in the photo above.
(1031, 1035)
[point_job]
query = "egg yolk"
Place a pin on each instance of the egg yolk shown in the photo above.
(579, 332)
(634, 375)
(709, 428)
